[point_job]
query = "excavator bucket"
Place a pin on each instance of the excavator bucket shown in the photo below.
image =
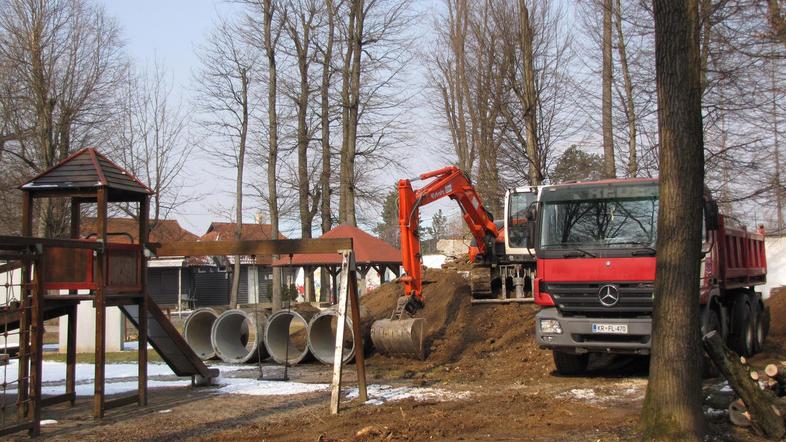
(399, 337)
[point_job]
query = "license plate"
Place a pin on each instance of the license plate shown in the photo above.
(620, 329)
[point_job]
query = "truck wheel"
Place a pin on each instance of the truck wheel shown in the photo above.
(761, 326)
(570, 363)
(741, 338)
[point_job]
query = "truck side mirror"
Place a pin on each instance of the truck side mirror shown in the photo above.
(711, 214)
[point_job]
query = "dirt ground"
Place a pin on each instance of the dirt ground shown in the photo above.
(497, 385)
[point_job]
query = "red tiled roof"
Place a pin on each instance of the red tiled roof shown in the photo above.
(219, 231)
(368, 250)
(226, 232)
(162, 231)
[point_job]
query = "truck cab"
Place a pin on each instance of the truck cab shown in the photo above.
(595, 246)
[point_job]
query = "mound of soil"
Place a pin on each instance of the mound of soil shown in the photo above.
(465, 340)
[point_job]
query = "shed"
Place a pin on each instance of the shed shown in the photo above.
(370, 253)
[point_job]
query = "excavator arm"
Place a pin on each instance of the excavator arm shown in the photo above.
(448, 182)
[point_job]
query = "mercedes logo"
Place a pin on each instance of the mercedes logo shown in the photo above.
(609, 295)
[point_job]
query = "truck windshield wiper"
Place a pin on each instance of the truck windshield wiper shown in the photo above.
(648, 249)
(578, 253)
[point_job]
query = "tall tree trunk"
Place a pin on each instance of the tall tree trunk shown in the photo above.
(531, 94)
(777, 154)
(608, 135)
(324, 178)
(672, 406)
(241, 159)
(304, 185)
(351, 102)
(344, 173)
(777, 20)
(272, 157)
(630, 109)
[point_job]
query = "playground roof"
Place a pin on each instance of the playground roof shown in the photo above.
(368, 249)
(87, 170)
(123, 230)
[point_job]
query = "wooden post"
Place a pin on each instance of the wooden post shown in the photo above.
(347, 291)
(142, 352)
(71, 354)
(37, 345)
(24, 310)
(100, 305)
(360, 357)
(72, 314)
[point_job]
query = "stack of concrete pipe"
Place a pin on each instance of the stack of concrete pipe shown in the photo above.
(252, 334)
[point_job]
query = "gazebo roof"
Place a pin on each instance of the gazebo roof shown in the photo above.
(368, 250)
(86, 171)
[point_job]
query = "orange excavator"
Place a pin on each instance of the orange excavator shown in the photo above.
(500, 261)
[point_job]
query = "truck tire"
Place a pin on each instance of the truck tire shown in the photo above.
(761, 326)
(570, 363)
(742, 336)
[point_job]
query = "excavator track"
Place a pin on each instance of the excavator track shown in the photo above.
(480, 278)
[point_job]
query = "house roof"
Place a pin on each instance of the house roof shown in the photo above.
(368, 250)
(220, 231)
(87, 169)
(162, 231)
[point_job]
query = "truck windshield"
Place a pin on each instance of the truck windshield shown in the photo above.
(600, 223)
(518, 205)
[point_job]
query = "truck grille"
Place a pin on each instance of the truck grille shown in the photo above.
(581, 299)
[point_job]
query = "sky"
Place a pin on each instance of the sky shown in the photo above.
(171, 31)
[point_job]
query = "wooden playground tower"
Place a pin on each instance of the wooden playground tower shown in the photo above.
(57, 274)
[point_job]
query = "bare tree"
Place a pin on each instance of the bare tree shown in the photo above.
(150, 139)
(608, 131)
(630, 107)
(270, 41)
(350, 101)
(777, 20)
(672, 407)
(63, 62)
(224, 100)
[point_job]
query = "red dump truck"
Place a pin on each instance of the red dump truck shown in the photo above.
(595, 245)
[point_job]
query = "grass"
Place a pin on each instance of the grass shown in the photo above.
(114, 357)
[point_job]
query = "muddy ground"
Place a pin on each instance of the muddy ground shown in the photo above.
(495, 384)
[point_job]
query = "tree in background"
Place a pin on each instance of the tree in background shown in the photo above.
(61, 65)
(439, 224)
(389, 230)
(577, 165)
(673, 402)
(151, 139)
(225, 102)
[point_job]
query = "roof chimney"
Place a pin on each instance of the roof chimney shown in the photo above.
(259, 217)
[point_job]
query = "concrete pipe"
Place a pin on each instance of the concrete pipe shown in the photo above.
(322, 337)
(286, 336)
(196, 331)
(236, 336)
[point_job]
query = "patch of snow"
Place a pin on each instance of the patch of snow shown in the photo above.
(726, 388)
(586, 394)
(48, 422)
(88, 389)
(255, 387)
(434, 261)
(165, 411)
(379, 394)
(55, 371)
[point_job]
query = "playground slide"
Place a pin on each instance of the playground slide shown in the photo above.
(168, 342)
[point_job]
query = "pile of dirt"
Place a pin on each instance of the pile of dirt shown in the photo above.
(466, 341)
(458, 263)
